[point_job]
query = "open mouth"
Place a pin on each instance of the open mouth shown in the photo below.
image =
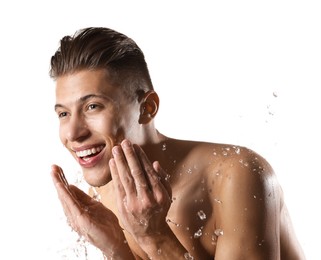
(88, 153)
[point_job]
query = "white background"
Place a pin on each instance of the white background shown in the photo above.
(242, 72)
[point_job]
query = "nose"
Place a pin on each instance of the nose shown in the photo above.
(76, 129)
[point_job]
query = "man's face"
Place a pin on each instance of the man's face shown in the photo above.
(94, 116)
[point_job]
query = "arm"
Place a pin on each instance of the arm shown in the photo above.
(91, 219)
(143, 200)
(249, 213)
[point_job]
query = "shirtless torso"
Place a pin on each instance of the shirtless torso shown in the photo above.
(173, 199)
(226, 202)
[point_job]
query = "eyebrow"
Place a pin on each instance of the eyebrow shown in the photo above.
(85, 98)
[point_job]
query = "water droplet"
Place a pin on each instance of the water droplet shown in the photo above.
(189, 171)
(164, 147)
(198, 233)
(241, 161)
(174, 162)
(218, 201)
(224, 153)
(188, 256)
(218, 232)
(214, 239)
(201, 215)
(143, 222)
(171, 221)
(237, 150)
(159, 251)
(96, 195)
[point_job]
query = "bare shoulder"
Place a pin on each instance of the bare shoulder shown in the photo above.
(247, 188)
(248, 205)
(246, 201)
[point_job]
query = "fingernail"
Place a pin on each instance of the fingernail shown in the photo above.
(116, 150)
(126, 143)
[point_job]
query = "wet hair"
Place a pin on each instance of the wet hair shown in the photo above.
(95, 48)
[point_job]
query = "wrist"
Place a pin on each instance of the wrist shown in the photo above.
(162, 245)
(118, 251)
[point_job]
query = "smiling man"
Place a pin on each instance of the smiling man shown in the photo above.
(161, 198)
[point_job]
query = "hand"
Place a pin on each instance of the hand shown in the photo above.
(142, 191)
(90, 218)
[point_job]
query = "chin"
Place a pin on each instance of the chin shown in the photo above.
(95, 179)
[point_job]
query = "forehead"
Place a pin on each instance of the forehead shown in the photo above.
(73, 86)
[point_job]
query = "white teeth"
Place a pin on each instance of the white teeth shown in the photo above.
(87, 152)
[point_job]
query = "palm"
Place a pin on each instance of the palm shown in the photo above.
(90, 218)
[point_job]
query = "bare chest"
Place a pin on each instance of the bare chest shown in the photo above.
(191, 218)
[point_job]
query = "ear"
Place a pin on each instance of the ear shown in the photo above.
(148, 107)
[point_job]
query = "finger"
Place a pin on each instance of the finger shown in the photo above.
(58, 175)
(126, 171)
(137, 169)
(151, 176)
(156, 176)
(163, 177)
(117, 183)
(69, 203)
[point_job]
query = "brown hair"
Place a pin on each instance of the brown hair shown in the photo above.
(102, 48)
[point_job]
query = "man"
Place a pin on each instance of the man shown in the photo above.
(161, 198)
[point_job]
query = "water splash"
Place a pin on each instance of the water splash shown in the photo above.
(74, 245)
(188, 256)
(237, 149)
(218, 201)
(261, 242)
(143, 222)
(167, 177)
(218, 232)
(246, 164)
(174, 223)
(79, 248)
(201, 215)
(198, 233)
(96, 195)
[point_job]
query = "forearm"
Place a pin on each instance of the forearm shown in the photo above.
(164, 245)
(122, 252)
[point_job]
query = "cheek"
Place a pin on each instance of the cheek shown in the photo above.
(109, 128)
(62, 137)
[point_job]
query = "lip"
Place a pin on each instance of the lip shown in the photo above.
(85, 147)
(92, 160)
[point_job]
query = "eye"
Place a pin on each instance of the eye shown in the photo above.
(62, 114)
(92, 106)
